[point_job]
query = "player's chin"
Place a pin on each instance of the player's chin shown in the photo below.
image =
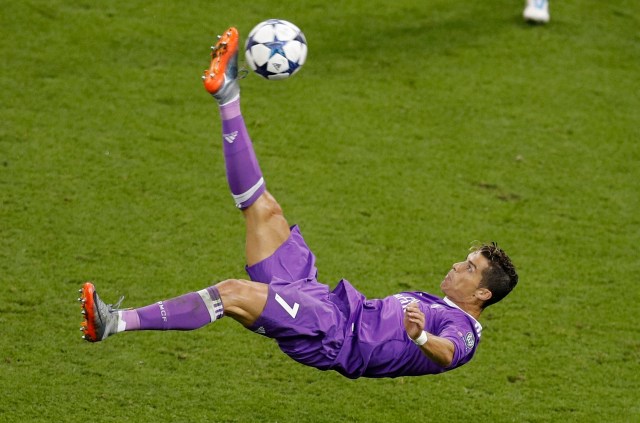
(445, 282)
(443, 285)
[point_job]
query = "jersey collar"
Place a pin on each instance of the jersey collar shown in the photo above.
(452, 304)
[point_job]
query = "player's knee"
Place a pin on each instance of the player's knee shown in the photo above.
(232, 290)
(267, 207)
(242, 300)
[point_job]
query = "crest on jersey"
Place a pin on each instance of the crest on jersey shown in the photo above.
(469, 340)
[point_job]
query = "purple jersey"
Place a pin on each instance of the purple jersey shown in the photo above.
(341, 330)
(379, 338)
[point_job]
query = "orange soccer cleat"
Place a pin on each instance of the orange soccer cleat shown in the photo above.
(100, 319)
(221, 79)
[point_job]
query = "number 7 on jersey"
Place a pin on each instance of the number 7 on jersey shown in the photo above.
(293, 311)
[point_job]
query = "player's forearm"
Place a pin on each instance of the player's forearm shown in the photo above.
(439, 350)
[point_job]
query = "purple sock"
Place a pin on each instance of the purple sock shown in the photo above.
(243, 171)
(186, 312)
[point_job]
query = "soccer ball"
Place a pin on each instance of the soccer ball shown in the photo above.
(276, 49)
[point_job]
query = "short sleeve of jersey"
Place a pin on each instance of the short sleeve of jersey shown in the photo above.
(458, 328)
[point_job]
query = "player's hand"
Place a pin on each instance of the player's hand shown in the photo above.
(413, 320)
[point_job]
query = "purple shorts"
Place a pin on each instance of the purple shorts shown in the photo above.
(292, 261)
(301, 314)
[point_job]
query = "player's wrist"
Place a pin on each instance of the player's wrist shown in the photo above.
(421, 339)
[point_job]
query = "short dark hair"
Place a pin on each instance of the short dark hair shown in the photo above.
(500, 277)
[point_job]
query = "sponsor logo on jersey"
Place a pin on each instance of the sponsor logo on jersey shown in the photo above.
(405, 300)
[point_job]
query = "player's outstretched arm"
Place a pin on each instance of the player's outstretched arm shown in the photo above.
(439, 350)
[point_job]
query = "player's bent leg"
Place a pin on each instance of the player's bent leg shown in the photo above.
(239, 299)
(266, 228)
(243, 300)
(186, 312)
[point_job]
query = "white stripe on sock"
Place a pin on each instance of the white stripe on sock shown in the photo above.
(213, 306)
(241, 198)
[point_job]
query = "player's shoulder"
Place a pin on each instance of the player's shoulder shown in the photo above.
(464, 316)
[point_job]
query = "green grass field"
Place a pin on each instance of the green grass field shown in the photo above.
(414, 129)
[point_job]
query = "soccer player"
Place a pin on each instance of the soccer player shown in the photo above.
(536, 11)
(409, 333)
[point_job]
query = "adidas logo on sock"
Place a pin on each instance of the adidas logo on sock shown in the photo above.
(230, 137)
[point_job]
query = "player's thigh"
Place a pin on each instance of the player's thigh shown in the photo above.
(266, 228)
(293, 260)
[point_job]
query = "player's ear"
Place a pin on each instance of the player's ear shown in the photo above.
(483, 294)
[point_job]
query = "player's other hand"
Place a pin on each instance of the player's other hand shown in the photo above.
(413, 320)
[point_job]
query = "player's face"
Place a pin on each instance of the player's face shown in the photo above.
(462, 283)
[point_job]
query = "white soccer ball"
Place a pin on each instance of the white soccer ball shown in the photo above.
(276, 49)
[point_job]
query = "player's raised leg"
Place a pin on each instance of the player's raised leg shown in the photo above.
(241, 300)
(266, 226)
(221, 80)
